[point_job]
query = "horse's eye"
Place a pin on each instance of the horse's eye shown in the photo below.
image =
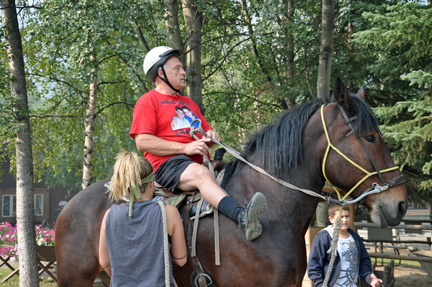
(370, 138)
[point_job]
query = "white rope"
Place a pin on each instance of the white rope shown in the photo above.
(166, 246)
(237, 155)
(376, 187)
(334, 243)
(216, 232)
(195, 227)
(206, 161)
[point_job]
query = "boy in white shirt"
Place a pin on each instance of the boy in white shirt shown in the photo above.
(352, 260)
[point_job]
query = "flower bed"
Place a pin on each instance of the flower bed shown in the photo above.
(9, 240)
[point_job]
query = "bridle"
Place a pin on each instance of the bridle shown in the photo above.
(375, 187)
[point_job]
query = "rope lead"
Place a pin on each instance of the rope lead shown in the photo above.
(166, 247)
(334, 243)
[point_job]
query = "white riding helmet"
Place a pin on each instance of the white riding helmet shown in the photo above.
(156, 57)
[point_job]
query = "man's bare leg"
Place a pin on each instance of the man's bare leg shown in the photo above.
(199, 177)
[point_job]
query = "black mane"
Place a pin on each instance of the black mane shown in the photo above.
(366, 120)
(279, 145)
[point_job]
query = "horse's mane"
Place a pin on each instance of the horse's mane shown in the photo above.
(279, 145)
(366, 120)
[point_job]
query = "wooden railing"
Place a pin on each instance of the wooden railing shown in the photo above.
(382, 238)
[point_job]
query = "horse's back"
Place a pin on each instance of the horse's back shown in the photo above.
(77, 236)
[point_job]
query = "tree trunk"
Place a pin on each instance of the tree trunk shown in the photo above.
(24, 159)
(290, 51)
(172, 25)
(193, 19)
(248, 23)
(351, 55)
(89, 127)
(326, 50)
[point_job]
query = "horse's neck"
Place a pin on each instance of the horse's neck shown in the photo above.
(284, 204)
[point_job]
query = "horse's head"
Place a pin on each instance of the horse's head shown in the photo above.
(357, 159)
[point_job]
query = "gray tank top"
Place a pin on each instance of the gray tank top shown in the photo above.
(135, 245)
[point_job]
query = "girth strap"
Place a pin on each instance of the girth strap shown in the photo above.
(188, 231)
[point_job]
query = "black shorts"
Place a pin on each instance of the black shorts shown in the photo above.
(169, 172)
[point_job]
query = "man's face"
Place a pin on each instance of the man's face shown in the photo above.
(175, 73)
(345, 220)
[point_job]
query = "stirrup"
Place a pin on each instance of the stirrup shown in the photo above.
(195, 277)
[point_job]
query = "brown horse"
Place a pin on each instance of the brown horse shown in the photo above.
(294, 150)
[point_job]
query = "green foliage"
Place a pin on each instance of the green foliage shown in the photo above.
(400, 42)
(62, 36)
(408, 129)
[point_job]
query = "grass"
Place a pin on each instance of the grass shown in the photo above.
(14, 281)
(403, 263)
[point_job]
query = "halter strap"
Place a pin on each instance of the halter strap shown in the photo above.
(331, 146)
(349, 122)
(166, 80)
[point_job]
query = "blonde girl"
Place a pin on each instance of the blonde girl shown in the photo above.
(131, 238)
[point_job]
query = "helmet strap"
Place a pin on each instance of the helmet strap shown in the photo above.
(166, 80)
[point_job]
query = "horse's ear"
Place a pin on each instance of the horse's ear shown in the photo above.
(341, 94)
(361, 93)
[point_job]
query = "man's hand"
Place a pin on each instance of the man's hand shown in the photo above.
(200, 147)
(212, 134)
(375, 281)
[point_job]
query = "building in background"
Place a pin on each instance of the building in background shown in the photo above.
(47, 202)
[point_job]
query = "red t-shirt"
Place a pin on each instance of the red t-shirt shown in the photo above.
(167, 117)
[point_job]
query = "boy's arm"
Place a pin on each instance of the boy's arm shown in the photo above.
(316, 263)
(365, 265)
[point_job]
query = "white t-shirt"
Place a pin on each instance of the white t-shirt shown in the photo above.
(349, 263)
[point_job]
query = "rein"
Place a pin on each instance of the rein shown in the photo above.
(375, 188)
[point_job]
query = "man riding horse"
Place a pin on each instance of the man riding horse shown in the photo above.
(175, 155)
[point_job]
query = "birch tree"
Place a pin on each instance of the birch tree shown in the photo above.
(23, 145)
(91, 68)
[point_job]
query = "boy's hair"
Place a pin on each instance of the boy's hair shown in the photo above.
(333, 207)
(129, 170)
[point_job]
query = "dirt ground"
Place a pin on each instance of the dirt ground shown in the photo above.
(411, 276)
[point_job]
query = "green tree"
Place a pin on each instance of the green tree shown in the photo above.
(249, 71)
(401, 84)
(88, 65)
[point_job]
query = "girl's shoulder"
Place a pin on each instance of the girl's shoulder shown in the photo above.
(171, 210)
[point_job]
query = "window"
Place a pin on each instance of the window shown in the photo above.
(9, 205)
(38, 204)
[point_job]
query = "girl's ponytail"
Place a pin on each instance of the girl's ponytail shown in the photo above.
(129, 170)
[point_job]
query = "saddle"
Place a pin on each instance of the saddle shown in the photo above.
(179, 200)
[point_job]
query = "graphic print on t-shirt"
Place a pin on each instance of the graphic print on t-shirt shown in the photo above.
(184, 118)
(350, 263)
